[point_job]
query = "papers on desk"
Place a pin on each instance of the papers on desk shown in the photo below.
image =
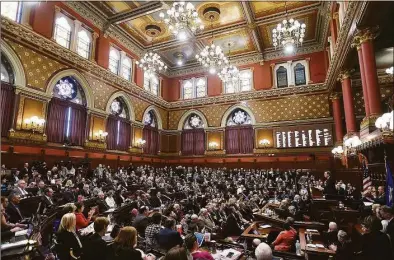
(312, 230)
(315, 245)
(17, 244)
(319, 246)
(368, 204)
(265, 226)
(21, 233)
(227, 254)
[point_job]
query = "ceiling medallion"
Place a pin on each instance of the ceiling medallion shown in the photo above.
(182, 18)
(180, 56)
(289, 34)
(153, 30)
(210, 12)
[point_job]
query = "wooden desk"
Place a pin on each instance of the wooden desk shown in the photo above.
(344, 216)
(297, 224)
(313, 250)
(262, 232)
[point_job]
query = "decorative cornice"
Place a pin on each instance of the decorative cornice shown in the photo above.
(344, 74)
(26, 137)
(275, 92)
(335, 95)
(92, 145)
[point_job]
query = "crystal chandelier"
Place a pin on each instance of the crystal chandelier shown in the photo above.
(151, 63)
(289, 33)
(229, 73)
(182, 18)
(212, 57)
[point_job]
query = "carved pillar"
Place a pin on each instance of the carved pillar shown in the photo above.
(333, 31)
(94, 42)
(337, 114)
(331, 46)
(74, 35)
(290, 78)
(15, 110)
(57, 12)
(371, 76)
(348, 102)
(122, 56)
(273, 74)
(356, 43)
(328, 55)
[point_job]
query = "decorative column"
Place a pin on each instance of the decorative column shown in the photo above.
(356, 43)
(74, 35)
(348, 102)
(337, 114)
(331, 46)
(333, 31)
(93, 49)
(122, 56)
(273, 74)
(57, 12)
(371, 76)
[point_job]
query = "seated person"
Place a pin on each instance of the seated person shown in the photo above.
(13, 210)
(343, 248)
(331, 236)
(141, 221)
(263, 252)
(168, 237)
(285, 239)
(177, 253)
(193, 247)
(69, 246)
(8, 229)
(152, 231)
(95, 247)
(81, 220)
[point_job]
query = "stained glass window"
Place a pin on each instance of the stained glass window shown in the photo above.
(193, 121)
(114, 59)
(299, 74)
(84, 43)
(12, 10)
(187, 89)
(152, 83)
(194, 88)
(281, 77)
(201, 89)
(63, 31)
(239, 117)
(126, 68)
(244, 83)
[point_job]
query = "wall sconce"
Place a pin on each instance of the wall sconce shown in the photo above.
(34, 123)
(337, 151)
(140, 142)
(264, 143)
(351, 145)
(101, 136)
(385, 122)
(213, 145)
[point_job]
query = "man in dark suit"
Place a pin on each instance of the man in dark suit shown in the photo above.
(13, 209)
(168, 237)
(141, 221)
(381, 198)
(21, 189)
(329, 184)
(94, 246)
(387, 214)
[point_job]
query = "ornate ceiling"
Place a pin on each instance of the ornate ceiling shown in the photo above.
(246, 26)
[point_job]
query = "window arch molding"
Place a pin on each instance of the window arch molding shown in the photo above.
(231, 109)
(157, 114)
(16, 64)
(187, 114)
(126, 99)
(78, 76)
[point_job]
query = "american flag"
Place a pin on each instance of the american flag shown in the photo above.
(366, 178)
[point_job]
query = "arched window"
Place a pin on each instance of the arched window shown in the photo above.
(150, 133)
(193, 135)
(239, 134)
(194, 88)
(67, 113)
(12, 10)
(244, 83)
(152, 83)
(281, 77)
(84, 43)
(299, 74)
(114, 60)
(63, 29)
(187, 89)
(7, 95)
(118, 126)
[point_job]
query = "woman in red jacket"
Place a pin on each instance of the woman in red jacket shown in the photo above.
(81, 220)
(285, 239)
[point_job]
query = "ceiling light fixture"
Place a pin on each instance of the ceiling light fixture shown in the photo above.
(229, 73)
(212, 56)
(289, 34)
(390, 70)
(181, 18)
(151, 63)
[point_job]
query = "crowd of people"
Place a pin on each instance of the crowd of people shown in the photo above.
(170, 205)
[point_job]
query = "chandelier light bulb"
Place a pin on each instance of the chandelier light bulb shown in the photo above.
(289, 48)
(212, 70)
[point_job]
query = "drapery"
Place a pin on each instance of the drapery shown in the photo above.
(77, 124)
(124, 135)
(56, 121)
(193, 142)
(239, 139)
(112, 130)
(151, 137)
(7, 102)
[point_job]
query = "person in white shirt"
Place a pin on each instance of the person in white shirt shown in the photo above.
(110, 199)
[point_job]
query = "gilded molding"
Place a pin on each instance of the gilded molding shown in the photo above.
(169, 154)
(136, 150)
(92, 145)
(367, 34)
(335, 95)
(291, 150)
(27, 137)
(215, 152)
(344, 74)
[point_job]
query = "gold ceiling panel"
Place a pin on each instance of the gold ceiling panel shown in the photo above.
(230, 12)
(310, 20)
(265, 8)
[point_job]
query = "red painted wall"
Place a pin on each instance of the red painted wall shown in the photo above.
(261, 75)
(42, 19)
(102, 51)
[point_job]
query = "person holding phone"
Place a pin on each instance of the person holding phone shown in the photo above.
(81, 220)
(193, 246)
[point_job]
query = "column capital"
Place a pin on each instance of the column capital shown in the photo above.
(356, 42)
(77, 22)
(57, 9)
(344, 74)
(367, 34)
(335, 96)
(95, 35)
(335, 15)
(272, 65)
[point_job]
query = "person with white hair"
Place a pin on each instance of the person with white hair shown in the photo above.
(344, 248)
(206, 219)
(331, 236)
(263, 252)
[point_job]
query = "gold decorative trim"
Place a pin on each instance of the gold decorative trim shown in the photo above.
(368, 121)
(215, 152)
(135, 150)
(335, 95)
(27, 137)
(95, 145)
(169, 154)
(293, 150)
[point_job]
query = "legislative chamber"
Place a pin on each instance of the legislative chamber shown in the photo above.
(197, 130)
